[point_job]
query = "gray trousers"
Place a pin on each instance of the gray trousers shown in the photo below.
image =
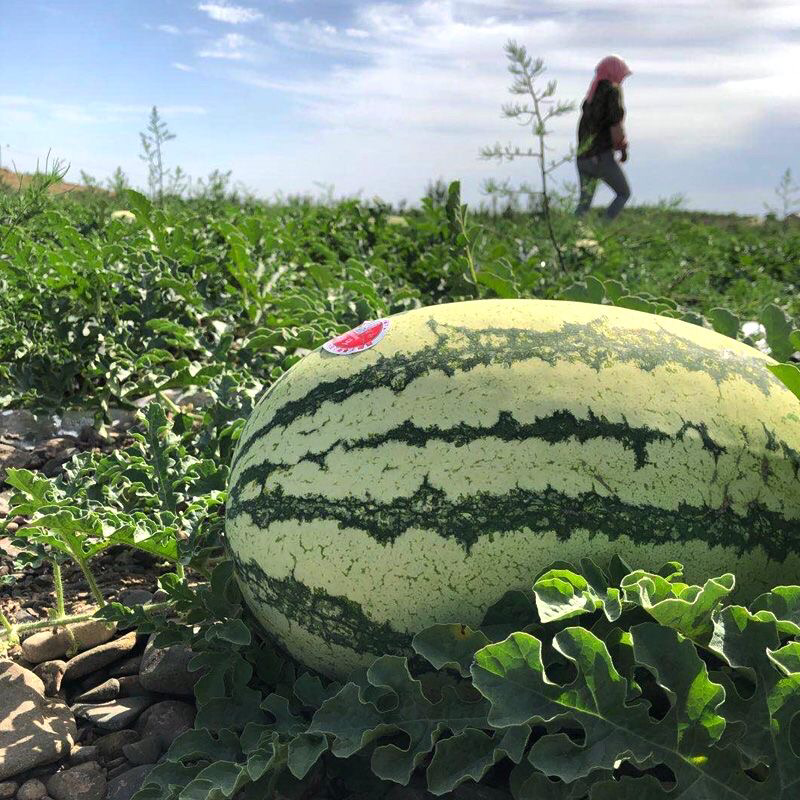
(601, 167)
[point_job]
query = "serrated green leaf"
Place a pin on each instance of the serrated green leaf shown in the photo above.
(779, 328)
(471, 753)
(449, 646)
(355, 723)
(725, 322)
(685, 608)
(789, 374)
(562, 594)
(784, 603)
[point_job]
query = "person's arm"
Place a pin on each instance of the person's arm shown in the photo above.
(618, 139)
(616, 114)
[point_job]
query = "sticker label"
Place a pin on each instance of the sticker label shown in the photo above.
(366, 335)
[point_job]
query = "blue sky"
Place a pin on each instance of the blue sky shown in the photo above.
(379, 98)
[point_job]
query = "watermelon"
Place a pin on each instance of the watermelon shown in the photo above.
(427, 463)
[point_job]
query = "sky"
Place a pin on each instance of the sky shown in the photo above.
(377, 98)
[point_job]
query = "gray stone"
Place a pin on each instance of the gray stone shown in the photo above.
(99, 657)
(112, 772)
(33, 730)
(49, 645)
(130, 666)
(84, 782)
(166, 669)
(145, 751)
(80, 755)
(32, 790)
(166, 720)
(125, 786)
(11, 457)
(110, 745)
(51, 673)
(8, 789)
(114, 715)
(135, 597)
(131, 686)
(108, 690)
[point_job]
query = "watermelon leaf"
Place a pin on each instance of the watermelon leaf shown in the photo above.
(511, 674)
(779, 329)
(685, 608)
(762, 721)
(449, 646)
(470, 754)
(354, 722)
(724, 322)
(789, 374)
(562, 594)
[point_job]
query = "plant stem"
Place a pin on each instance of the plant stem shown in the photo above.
(69, 619)
(545, 201)
(8, 628)
(462, 221)
(59, 585)
(94, 589)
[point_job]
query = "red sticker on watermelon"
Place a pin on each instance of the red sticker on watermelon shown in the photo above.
(366, 335)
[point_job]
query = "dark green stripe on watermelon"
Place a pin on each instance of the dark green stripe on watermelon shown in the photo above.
(582, 343)
(337, 620)
(469, 518)
(560, 426)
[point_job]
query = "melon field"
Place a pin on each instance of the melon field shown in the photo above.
(339, 501)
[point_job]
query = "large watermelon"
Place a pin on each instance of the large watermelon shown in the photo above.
(472, 444)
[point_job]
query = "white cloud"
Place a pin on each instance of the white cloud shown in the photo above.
(232, 46)
(182, 67)
(438, 66)
(34, 109)
(171, 29)
(234, 15)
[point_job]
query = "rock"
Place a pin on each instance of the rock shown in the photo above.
(80, 755)
(47, 645)
(26, 615)
(118, 769)
(32, 790)
(5, 503)
(166, 669)
(84, 782)
(131, 686)
(166, 720)
(8, 789)
(125, 786)
(110, 745)
(130, 666)
(51, 673)
(160, 596)
(114, 715)
(135, 597)
(12, 458)
(99, 657)
(145, 751)
(108, 690)
(33, 730)
(92, 680)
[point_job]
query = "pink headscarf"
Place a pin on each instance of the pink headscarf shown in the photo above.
(611, 68)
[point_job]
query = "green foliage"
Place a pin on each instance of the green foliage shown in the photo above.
(593, 683)
(665, 688)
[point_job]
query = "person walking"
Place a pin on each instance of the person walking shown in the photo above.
(600, 133)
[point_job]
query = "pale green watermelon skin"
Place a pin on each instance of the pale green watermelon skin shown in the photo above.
(416, 482)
